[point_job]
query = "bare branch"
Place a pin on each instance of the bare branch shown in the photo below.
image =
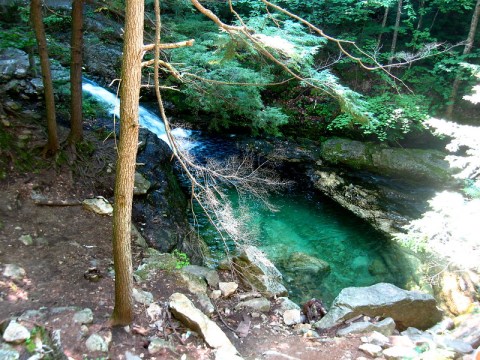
(170, 45)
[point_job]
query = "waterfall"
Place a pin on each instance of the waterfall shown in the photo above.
(147, 118)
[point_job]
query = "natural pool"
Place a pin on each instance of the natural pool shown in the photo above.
(306, 225)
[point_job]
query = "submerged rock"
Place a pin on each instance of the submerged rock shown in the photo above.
(301, 262)
(407, 308)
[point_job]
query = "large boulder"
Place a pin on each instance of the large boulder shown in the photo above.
(407, 308)
(421, 165)
(259, 272)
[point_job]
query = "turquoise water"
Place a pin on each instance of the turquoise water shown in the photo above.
(313, 225)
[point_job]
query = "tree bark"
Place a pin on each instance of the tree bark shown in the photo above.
(466, 50)
(384, 23)
(127, 151)
(395, 31)
(76, 118)
(37, 24)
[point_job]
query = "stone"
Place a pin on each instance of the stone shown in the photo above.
(422, 165)
(400, 353)
(457, 292)
(260, 304)
(98, 205)
(195, 284)
(14, 271)
(141, 184)
(210, 276)
(301, 262)
(184, 310)
(156, 345)
(376, 338)
(287, 304)
(205, 304)
(26, 240)
(15, 333)
(142, 297)
(154, 311)
(406, 308)
(226, 354)
(442, 326)
(84, 316)
(259, 272)
(227, 288)
(13, 63)
(131, 356)
(437, 354)
(138, 238)
(302, 328)
(8, 353)
(96, 342)
(384, 327)
(468, 330)
(371, 349)
(292, 317)
(154, 260)
(459, 347)
(215, 294)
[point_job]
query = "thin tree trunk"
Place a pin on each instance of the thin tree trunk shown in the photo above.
(395, 31)
(37, 24)
(466, 50)
(420, 14)
(384, 23)
(127, 151)
(76, 118)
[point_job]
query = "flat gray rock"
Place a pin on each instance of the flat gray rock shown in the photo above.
(384, 327)
(406, 308)
(184, 310)
(210, 275)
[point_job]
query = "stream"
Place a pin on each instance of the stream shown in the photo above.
(306, 225)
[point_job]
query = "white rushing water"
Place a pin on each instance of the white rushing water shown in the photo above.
(147, 118)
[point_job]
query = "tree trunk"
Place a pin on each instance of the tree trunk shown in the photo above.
(395, 31)
(127, 151)
(384, 23)
(76, 118)
(466, 50)
(37, 24)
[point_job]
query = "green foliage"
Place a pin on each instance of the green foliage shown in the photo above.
(472, 188)
(390, 117)
(181, 258)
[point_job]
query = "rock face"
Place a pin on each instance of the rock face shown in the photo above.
(161, 210)
(418, 164)
(259, 272)
(407, 308)
(184, 310)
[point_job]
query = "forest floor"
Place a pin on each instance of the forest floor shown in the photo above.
(69, 243)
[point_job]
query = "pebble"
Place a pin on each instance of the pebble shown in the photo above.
(96, 343)
(142, 297)
(215, 294)
(156, 345)
(371, 349)
(26, 240)
(154, 311)
(84, 316)
(292, 317)
(14, 271)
